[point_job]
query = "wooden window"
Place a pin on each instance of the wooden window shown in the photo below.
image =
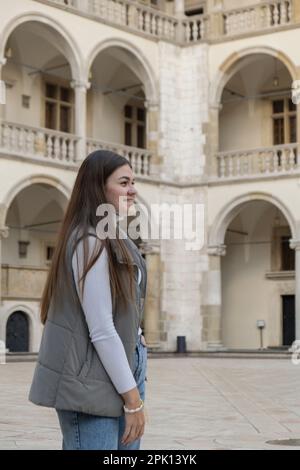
(135, 126)
(195, 7)
(284, 121)
(49, 252)
(59, 103)
(287, 255)
(282, 256)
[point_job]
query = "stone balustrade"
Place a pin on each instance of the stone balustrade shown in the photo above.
(156, 24)
(262, 161)
(266, 15)
(38, 143)
(138, 158)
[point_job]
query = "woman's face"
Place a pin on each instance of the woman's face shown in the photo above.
(120, 190)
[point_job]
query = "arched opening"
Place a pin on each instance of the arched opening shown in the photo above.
(117, 98)
(257, 118)
(117, 103)
(258, 278)
(33, 218)
(40, 64)
(17, 332)
(39, 60)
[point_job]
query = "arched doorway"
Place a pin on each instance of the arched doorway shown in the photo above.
(17, 332)
(34, 216)
(35, 208)
(258, 278)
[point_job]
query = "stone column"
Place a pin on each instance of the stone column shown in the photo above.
(179, 12)
(152, 136)
(80, 89)
(216, 22)
(2, 105)
(179, 7)
(152, 321)
(82, 5)
(3, 61)
(296, 101)
(298, 128)
(296, 12)
(212, 133)
(295, 245)
(212, 314)
(3, 234)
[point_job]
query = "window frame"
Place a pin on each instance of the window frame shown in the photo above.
(134, 124)
(286, 114)
(276, 249)
(59, 84)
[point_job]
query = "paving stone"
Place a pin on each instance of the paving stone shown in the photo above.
(191, 403)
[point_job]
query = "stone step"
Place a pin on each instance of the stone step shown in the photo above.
(154, 353)
(21, 357)
(252, 354)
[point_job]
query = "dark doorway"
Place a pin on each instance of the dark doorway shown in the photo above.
(17, 332)
(288, 320)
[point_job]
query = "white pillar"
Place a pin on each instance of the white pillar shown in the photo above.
(152, 311)
(80, 89)
(82, 4)
(213, 307)
(3, 234)
(2, 105)
(179, 12)
(179, 7)
(152, 136)
(295, 245)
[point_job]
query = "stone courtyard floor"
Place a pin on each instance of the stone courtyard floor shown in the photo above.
(192, 403)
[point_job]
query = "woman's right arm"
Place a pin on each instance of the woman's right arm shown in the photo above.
(132, 398)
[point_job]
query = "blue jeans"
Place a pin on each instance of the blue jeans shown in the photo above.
(83, 431)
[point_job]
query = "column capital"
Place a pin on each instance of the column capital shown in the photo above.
(216, 106)
(4, 231)
(81, 84)
(149, 248)
(216, 250)
(179, 7)
(151, 105)
(294, 244)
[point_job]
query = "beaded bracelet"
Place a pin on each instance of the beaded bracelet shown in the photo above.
(127, 410)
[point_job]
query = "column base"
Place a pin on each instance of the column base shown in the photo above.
(153, 345)
(215, 346)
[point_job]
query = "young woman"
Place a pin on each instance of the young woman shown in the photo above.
(92, 360)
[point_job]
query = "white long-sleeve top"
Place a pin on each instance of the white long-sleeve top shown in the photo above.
(97, 307)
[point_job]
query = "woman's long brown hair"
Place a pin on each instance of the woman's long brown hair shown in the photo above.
(88, 193)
